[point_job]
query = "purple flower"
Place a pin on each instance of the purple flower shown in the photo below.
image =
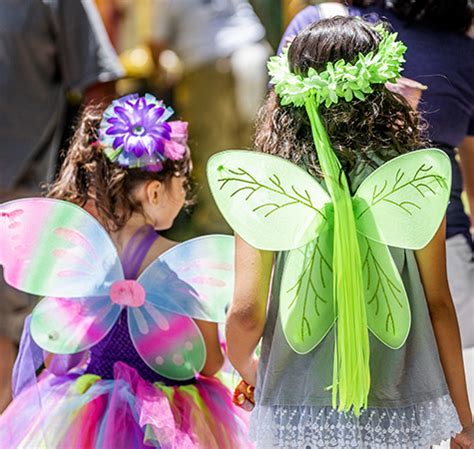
(138, 124)
(134, 133)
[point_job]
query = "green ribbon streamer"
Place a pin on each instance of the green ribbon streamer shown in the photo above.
(351, 373)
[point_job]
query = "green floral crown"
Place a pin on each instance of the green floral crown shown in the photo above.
(340, 79)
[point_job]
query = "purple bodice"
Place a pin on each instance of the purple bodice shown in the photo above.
(117, 346)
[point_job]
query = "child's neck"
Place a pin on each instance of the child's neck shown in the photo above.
(123, 235)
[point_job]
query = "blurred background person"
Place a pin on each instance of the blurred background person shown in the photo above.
(47, 49)
(441, 56)
(223, 53)
(316, 11)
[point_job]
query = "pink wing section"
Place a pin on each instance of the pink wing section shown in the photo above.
(192, 280)
(67, 326)
(54, 248)
(169, 343)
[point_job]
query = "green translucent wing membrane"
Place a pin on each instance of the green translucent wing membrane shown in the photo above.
(306, 296)
(339, 265)
(275, 205)
(403, 202)
(271, 203)
(400, 204)
(387, 307)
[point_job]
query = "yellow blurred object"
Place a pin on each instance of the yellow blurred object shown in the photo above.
(465, 202)
(127, 86)
(171, 65)
(85, 382)
(291, 8)
(138, 62)
(168, 70)
(136, 25)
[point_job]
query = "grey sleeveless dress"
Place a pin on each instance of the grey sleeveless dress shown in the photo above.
(409, 404)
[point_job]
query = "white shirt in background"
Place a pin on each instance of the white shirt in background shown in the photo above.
(202, 31)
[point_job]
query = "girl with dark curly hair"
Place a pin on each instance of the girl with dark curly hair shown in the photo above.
(440, 56)
(416, 395)
(135, 374)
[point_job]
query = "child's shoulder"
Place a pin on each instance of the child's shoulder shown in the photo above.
(159, 247)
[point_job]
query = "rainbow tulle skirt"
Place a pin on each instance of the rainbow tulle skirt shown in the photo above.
(127, 412)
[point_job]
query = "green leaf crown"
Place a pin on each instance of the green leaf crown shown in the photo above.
(340, 79)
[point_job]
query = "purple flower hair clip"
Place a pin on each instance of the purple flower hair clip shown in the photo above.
(134, 132)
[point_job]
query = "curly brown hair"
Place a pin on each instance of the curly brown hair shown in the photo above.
(88, 175)
(383, 125)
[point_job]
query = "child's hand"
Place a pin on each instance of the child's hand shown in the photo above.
(408, 88)
(244, 396)
(249, 372)
(464, 440)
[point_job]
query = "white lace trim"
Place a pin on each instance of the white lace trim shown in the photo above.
(304, 427)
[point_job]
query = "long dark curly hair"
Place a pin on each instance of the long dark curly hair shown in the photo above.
(87, 175)
(380, 127)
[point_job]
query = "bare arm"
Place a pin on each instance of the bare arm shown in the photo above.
(466, 153)
(214, 356)
(432, 266)
(247, 314)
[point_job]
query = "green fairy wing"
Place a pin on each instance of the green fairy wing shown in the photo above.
(403, 202)
(275, 205)
(306, 293)
(387, 306)
(400, 204)
(271, 203)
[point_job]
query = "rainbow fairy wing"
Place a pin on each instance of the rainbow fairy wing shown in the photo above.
(169, 343)
(54, 248)
(196, 277)
(68, 326)
(192, 280)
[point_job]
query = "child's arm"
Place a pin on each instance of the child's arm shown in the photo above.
(432, 266)
(247, 314)
(466, 153)
(48, 357)
(214, 356)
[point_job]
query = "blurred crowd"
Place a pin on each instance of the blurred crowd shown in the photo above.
(207, 60)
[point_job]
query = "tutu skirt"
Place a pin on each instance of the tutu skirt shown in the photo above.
(87, 412)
